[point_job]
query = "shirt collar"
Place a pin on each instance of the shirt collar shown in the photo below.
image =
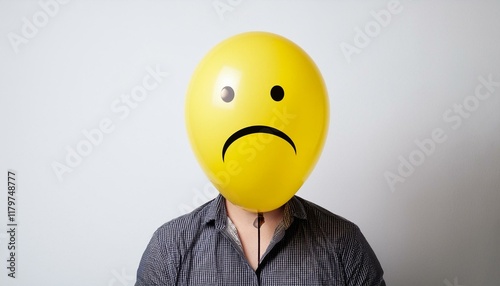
(217, 212)
(297, 209)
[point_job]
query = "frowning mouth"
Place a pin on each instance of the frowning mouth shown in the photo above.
(256, 129)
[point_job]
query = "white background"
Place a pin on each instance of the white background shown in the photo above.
(440, 226)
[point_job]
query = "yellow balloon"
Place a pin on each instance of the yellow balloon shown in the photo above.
(257, 117)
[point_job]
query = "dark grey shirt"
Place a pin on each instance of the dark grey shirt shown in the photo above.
(317, 247)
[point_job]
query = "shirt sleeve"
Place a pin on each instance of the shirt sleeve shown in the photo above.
(156, 267)
(361, 265)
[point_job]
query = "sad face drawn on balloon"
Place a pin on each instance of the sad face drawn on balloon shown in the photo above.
(257, 118)
(277, 93)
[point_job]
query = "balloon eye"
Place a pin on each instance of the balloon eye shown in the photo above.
(277, 93)
(227, 94)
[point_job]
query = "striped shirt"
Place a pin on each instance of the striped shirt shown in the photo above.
(312, 246)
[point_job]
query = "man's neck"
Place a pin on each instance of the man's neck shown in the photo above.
(244, 222)
(240, 215)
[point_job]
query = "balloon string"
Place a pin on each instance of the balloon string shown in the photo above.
(258, 243)
(259, 223)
